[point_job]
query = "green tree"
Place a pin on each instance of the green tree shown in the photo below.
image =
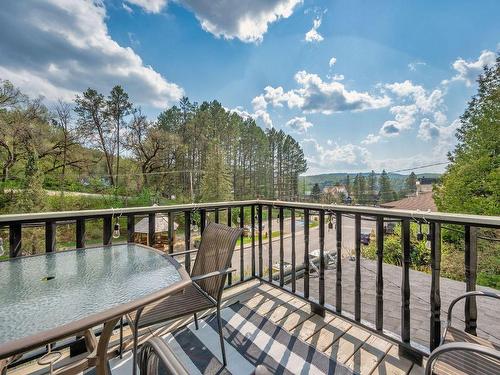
(118, 107)
(315, 192)
(216, 180)
(32, 195)
(411, 183)
(372, 187)
(471, 183)
(385, 192)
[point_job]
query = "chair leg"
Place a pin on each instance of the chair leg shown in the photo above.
(221, 337)
(196, 321)
(121, 337)
(134, 350)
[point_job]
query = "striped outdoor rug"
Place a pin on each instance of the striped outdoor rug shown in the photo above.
(250, 338)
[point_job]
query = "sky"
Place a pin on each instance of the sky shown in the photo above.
(360, 84)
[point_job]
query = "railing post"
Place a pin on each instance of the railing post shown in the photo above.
(435, 328)
(470, 278)
(171, 232)
(50, 236)
(15, 239)
(151, 229)
(321, 263)
(259, 220)
(130, 228)
(270, 241)
(338, 284)
(187, 240)
(292, 228)
(357, 271)
(107, 230)
(306, 253)
(242, 260)
(80, 233)
(252, 233)
(405, 281)
(282, 249)
(379, 308)
(229, 222)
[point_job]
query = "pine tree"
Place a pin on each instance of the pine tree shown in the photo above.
(372, 187)
(32, 195)
(471, 181)
(411, 183)
(385, 192)
(216, 180)
(315, 192)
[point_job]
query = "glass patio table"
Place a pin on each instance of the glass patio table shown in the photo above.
(47, 297)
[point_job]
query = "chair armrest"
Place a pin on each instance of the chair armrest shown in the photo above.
(212, 274)
(463, 346)
(476, 293)
(157, 347)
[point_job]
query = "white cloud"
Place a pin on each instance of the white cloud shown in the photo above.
(346, 157)
(259, 103)
(317, 96)
(299, 124)
(332, 62)
(127, 8)
(259, 115)
(150, 6)
(468, 71)
(313, 35)
(338, 77)
(415, 64)
(370, 139)
(424, 101)
(61, 47)
(246, 20)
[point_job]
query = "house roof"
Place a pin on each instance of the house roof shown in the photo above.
(161, 224)
(422, 202)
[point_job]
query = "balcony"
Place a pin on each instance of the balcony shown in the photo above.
(368, 316)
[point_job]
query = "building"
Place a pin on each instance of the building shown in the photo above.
(422, 199)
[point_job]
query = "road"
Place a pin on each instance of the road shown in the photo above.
(330, 244)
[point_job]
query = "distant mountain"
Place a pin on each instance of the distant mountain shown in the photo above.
(331, 179)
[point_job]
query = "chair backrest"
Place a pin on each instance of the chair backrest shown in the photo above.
(214, 254)
(157, 358)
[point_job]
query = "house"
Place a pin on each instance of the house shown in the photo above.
(422, 200)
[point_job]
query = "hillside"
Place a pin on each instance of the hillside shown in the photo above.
(331, 179)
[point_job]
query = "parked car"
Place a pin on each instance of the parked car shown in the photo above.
(389, 228)
(365, 238)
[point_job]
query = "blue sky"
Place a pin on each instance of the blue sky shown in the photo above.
(361, 84)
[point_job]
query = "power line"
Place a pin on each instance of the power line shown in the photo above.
(419, 167)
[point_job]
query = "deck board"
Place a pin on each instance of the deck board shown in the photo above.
(349, 344)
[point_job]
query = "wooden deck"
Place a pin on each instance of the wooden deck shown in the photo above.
(351, 345)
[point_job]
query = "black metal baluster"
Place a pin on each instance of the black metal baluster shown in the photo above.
(435, 328)
(216, 214)
(338, 284)
(80, 233)
(379, 307)
(306, 253)
(282, 249)
(229, 222)
(405, 281)
(151, 229)
(187, 240)
(107, 230)
(203, 220)
(15, 239)
(171, 232)
(292, 226)
(50, 236)
(357, 271)
(130, 227)
(252, 221)
(470, 278)
(321, 257)
(270, 241)
(261, 261)
(242, 260)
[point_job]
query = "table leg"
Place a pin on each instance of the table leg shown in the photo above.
(102, 347)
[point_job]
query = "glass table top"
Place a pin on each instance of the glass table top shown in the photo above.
(44, 292)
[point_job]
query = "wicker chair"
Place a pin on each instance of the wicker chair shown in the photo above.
(209, 273)
(157, 358)
(463, 353)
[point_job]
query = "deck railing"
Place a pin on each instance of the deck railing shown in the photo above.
(295, 276)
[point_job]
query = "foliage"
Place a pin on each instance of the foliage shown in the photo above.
(315, 193)
(471, 183)
(386, 192)
(216, 180)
